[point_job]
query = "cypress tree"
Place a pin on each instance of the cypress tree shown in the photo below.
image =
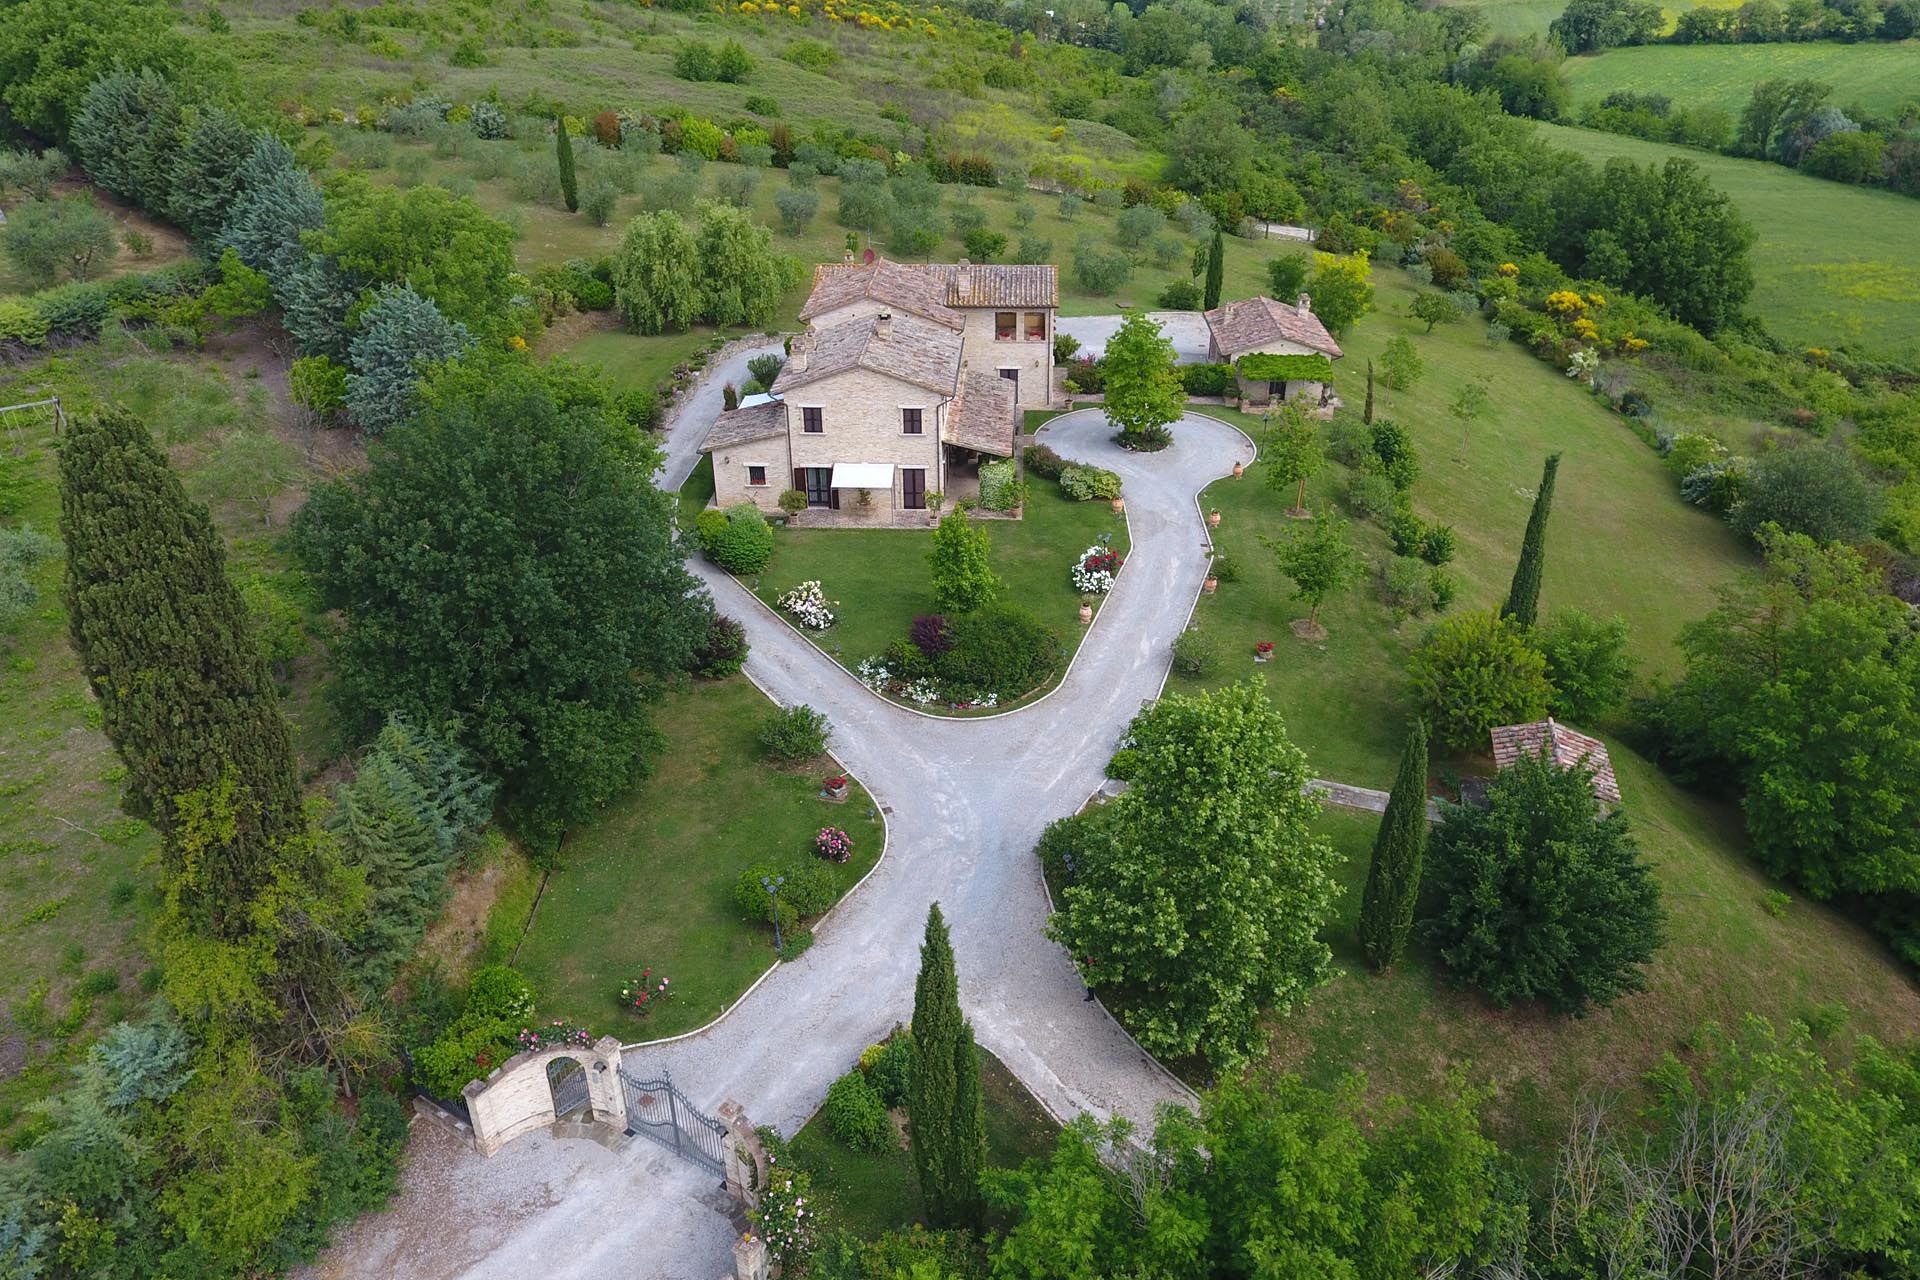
(1366, 415)
(1523, 598)
(184, 691)
(943, 1105)
(1393, 879)
(1216, 271)
(563, 151)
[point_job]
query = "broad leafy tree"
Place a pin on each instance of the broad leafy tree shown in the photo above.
(943, 1100)
(184, 692)
(1341, 289)
(1434, 308)
(960, 561)
(656, 274)
(1474, 671)
(50, 238)
(1588, 26)
(741, 276)
(52, 50)
(1541, 895)
(1199, 902)
(1293, 453)
(1587, 662)
(1815, 489)
(543, 629)
(1806, 680)
(1668, 234)
(1321, 560)
(1399, 848)
(1144, 395)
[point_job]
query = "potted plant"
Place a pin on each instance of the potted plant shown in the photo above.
(1213, 518)
(935, 500)
(1086, 609)
(1239, 469)
(793, 502)
(1263, 651)
(1119, 505)
(1212, 583)
(836, 787)
(865, 498)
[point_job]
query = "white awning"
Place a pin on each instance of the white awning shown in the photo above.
(757, 398)
(863, 475)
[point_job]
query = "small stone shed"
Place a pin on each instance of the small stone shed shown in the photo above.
(1279, 352)
(1565, 747)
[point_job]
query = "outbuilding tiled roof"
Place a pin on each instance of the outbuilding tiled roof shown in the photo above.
(1253, 323)
(981, 416)
(738, 426)
(914, 350)
(1563, 746)
(933, 290)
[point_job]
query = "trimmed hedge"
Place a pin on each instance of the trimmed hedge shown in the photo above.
(1000, 488)
(1207, 379)
(1003, 651)
(1083, 484)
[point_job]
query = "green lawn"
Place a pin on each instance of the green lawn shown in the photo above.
(1834, 265)
(650, 883)
(1877, 76)
(879, 576)
(871, 1194)
(1621, 540)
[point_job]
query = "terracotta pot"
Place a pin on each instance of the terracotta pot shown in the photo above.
(1239, 469)
(1213, 520)
(1119, 504)
(1208, 587)
(1086, 613)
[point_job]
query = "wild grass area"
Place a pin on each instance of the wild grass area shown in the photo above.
(1878, 76)
(1532, 17)
(870, 1193)
(880, 576)
(1833, 264)
(1621, 540)
(650, 882)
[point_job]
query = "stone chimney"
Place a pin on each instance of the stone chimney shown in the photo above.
(963, 278)
(883, 326)
(1305, 305)
(797, 358)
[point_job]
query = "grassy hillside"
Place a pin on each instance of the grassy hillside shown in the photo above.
(1531, 17)
(1833, 264)
(1881, 78)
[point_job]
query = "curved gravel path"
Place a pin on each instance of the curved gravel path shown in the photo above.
(966, 801)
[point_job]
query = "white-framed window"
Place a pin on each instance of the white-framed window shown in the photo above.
(1036, 326)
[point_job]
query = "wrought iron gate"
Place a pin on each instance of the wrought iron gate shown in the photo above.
(659, 1110)
(568, 1080)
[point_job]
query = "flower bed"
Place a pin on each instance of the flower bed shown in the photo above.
(554, 1035)
(639, 996)
(833, 844)
(1094, 572)
(809, 605)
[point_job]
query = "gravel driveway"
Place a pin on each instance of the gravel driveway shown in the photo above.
(1187, 330)
(966, 801)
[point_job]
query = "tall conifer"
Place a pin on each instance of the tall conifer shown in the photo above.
(1523, 598)
(184, 692)
(1393, 879)
(943, 1105)
(563, 152)
(1216, 271)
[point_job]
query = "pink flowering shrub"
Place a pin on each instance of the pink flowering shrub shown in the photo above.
(833, 844)
(640, 995)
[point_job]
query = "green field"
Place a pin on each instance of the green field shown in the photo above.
(1878, 77)
(1834, 265)
(1531, 17)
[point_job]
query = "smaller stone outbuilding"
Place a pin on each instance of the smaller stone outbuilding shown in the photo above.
(1565, 747)
(1278, 352)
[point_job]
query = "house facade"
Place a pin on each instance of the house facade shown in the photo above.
(1279, 352)
(907, 378)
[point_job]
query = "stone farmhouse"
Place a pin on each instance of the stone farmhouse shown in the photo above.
(1278, 352)
(907, 378)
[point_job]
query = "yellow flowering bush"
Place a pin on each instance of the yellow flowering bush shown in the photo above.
(516, 343)
(1585, 329)
(1509, 270)
(1597, 299)
(1566, 304)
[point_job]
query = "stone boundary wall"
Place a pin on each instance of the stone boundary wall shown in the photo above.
(516, 1098)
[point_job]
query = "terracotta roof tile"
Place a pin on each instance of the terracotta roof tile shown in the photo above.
(933, 290)
(1254, 322)
(1002, 285)
(738, 426)
(982, 415)
(1563, 746)
(916, 351)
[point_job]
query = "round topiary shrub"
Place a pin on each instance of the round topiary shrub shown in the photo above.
(724, 651)
(742, 543)
(1002, 650)
(793, 734)
(856, 1114)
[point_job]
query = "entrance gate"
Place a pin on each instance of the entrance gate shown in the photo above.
(658, 1109)
(568, 1080)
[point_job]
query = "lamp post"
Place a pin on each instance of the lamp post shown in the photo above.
(772, 885)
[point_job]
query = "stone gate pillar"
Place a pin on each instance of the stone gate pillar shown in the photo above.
(604, 1094)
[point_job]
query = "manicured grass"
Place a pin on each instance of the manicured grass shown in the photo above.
(879, 576)
(1621, 541)
(650, 884)
(870, 1194)
(1878, 76)
(1834, 265)
(633, 362)
(1725, 957)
